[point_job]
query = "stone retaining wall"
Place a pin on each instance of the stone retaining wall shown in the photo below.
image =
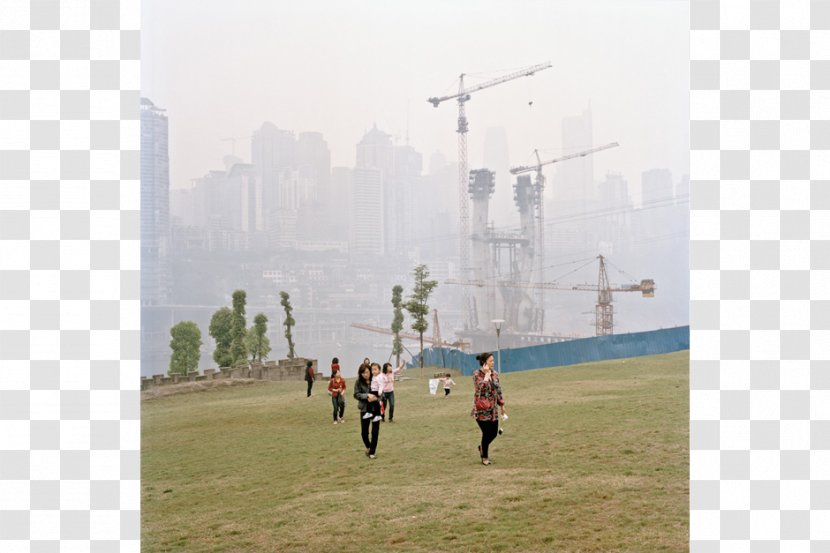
(284, 369)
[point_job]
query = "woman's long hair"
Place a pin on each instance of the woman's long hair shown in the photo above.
(364, 367)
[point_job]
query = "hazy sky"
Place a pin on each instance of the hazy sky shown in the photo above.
(221, 68)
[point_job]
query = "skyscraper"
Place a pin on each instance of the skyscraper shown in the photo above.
(367, 223)
(373, 169)
(399, 198)
(272, 151)
(155, 205)
(314, 163)
(573, 183)
(155, 236)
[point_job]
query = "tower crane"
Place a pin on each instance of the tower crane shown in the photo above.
(604, 309)
(462, 97)
(539, 190)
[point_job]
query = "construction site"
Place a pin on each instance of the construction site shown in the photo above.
(502, 279)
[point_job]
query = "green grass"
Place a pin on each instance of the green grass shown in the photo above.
(594, 458)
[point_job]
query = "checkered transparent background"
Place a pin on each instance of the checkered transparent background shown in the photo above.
(760, 282)
(760, 260)
(69, 283)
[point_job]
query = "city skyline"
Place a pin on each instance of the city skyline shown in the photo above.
(338, 83)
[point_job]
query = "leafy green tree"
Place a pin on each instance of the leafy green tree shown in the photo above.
(185, 343)
(257, 343)
(221, 326)
(417, 304)
(397, 323)
(289, 322)
(238, 351)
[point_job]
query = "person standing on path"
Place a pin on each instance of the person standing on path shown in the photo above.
(309, 377)
(487, 402)
(389, 389)
(337, 387)
(364, 396)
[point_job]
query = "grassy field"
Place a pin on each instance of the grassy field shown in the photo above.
(594, 458)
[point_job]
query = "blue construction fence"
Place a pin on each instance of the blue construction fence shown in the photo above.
(583, 350)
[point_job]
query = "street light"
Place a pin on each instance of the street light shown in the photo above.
(498, 323)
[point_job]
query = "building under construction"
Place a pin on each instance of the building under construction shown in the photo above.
(507, 270)
(502, 273)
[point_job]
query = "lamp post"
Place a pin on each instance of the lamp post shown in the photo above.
(498, 323)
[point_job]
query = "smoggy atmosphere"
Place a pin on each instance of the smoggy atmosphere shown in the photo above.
(290, 146)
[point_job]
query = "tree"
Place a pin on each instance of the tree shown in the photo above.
(257, 343)
(289, 322)
(238, 329)
(185, 343)
(221, 325)
(417, 304)
(397, 323)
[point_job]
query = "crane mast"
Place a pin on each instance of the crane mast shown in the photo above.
(462, 98)
(539, 193)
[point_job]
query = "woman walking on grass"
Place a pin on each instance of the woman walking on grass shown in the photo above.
(364, 395)
(487, 402)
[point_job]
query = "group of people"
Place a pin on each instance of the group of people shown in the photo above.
(375, 395)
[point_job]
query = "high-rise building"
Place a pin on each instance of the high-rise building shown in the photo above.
(367, 222)
(375, 150)
(273, 150)
(657, 186)
(573, 183)
(373, 169)
(314, 163)
(155, 237)
(399, 196)
(614, 204)
(496, 158)
(155, 205)
(338, 209)
(243, 177)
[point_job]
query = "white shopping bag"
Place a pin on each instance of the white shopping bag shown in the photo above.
(433, 385)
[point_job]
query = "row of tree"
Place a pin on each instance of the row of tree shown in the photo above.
(237, 345)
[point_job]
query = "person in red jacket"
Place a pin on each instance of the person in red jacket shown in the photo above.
(309, 376)
(337, 387)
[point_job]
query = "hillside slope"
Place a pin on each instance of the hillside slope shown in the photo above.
(594, 458)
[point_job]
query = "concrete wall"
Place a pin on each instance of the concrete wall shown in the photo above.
(284, 369)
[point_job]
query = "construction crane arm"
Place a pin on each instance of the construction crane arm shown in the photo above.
(509, 77)
(527, 168)
(645, 286)
(409, 336)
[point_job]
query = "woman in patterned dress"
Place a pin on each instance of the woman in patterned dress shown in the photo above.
(488, 404)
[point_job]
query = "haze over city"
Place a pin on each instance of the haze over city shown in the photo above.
(343, 69)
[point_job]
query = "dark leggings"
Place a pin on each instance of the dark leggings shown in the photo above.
(372, 445)
(308, 393)
(338, 403)
(489, 431)
(389, 397)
